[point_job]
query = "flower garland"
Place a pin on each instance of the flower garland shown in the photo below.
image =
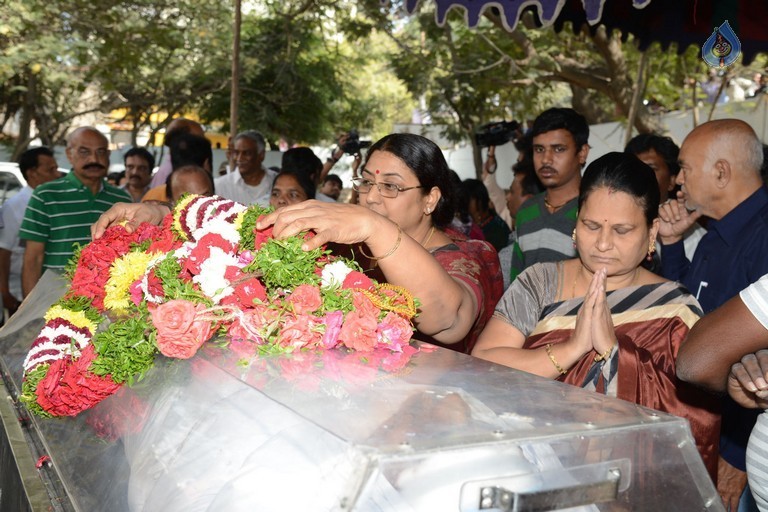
(205, 273)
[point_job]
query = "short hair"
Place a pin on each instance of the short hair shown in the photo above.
(141, 153)
(305, 182)
(30, 159)
(187, 169)
(623, 172)
(189, 149)
(333, 178)
(179, 126)
(302, 159)
(254, 136)
(664, 146)
(562, 119)
(426, 160)
(475, 189)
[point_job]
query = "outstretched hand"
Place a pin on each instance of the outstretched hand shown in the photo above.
(675, 219)
(748, 380)
(130, 215)
(332, 222)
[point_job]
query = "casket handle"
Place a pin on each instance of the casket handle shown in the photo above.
(548, 490)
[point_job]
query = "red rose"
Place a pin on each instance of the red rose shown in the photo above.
(68, 388)
(357, 279)
(179, 333)
(261, 236)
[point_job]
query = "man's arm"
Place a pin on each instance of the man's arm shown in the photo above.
(33, 265)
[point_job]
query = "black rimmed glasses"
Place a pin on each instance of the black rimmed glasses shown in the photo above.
(389, 190)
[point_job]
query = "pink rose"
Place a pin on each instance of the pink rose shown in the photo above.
(358, 331)
(333, 322)
(301, 331)
(393, 332)
(305, 299)
(179, 333)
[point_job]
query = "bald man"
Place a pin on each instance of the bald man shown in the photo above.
(60, 213)
(720, 177)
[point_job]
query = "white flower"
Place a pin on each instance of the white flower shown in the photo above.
(334, 274)
(211, 278)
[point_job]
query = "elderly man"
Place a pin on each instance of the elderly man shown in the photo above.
(250, 182)
(720, 177)
(138, 172)
(60, 213)
(38, 166)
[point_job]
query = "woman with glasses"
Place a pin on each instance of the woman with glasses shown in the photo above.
(398, 230)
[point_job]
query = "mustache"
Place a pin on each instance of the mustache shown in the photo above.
(94, 165)
(547, 168)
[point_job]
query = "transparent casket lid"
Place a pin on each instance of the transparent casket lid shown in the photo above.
(341, 431)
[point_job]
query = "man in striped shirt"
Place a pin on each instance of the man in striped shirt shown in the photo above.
(60, 213)
(544, 223)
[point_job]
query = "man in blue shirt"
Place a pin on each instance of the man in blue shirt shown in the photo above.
(720, 177)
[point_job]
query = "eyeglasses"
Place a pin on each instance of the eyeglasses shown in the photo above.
(389, 190)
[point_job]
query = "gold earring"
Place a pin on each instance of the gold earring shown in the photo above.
(651, 248)
(573, 237)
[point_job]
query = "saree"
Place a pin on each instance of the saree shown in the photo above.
(650, 322)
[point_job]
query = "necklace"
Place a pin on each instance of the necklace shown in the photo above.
(554, 207)
(428, 237)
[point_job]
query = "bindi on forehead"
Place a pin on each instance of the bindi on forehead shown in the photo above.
(377, 171)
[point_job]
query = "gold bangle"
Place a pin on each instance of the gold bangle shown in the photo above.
(604, 355)
(391, 251)
(559, 368)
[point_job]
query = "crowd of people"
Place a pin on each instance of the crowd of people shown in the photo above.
(628, 275)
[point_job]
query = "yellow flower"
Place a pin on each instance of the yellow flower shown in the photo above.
(238, 223)
(76, 318)
(123, 272)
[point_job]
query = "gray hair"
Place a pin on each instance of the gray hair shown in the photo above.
(254, 136)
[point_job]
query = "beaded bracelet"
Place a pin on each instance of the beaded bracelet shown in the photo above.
(391, 251)
(559, 368)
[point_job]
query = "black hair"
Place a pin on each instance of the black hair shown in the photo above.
(302, 159)
(141, 153)
(333, 178)
(426, 160)
(475, 189)
(664, 146)
(304, 180)
(461, 198)
(189, 149)
(623, 172)
(562, 119)
(191, 169)
(29, 159)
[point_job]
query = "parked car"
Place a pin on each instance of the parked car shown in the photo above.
(12, 181)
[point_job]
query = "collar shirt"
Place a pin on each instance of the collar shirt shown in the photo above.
(732, 254)
(232, 186)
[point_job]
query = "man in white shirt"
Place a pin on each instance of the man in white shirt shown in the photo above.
(38, 166)
(250, 182)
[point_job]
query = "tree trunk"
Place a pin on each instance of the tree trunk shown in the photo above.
(25, 121)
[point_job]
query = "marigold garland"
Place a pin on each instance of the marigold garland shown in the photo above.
(206, 272)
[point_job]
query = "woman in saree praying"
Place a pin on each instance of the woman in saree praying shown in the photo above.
(601, 321)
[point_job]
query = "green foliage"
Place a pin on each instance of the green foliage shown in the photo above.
(28, 387)
(126, 350)
(248, 228)
(79, 303)
(284, 264)
(168, 271)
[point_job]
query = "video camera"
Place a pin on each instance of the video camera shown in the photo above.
(497, 134)
(353, 145)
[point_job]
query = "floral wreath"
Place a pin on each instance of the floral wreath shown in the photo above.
(205, 273)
